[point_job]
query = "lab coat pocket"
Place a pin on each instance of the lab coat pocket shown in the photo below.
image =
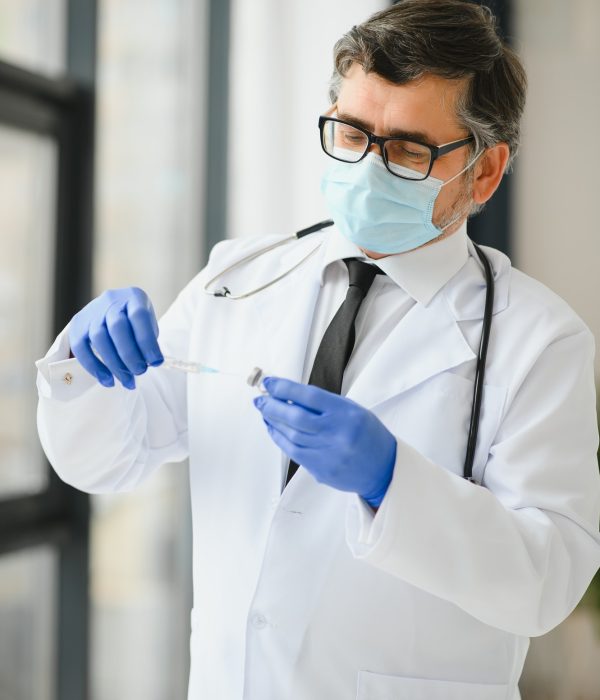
(379, 686)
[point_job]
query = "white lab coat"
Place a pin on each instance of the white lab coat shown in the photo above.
(310, 595)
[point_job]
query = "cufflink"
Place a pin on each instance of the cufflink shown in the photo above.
(68, 378)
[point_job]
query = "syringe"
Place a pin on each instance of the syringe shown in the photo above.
(254, 379)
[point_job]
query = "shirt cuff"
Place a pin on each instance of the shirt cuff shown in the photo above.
(58, 376)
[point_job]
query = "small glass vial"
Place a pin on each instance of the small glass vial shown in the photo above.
(255, 379)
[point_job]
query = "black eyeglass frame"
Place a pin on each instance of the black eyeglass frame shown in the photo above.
(436, 151)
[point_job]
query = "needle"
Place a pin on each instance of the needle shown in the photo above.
(194, 367)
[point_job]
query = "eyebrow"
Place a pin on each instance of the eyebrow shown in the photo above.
(393, 133)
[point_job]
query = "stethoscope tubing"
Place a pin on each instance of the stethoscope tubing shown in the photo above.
(481, 365)
(225, 292)
(478, 388)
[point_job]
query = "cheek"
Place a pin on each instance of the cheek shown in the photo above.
(454, 193)
(446, 198)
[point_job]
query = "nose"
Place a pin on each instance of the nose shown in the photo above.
(375, 148)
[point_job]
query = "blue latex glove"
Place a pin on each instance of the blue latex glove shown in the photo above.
(120, 327)
(341, 443)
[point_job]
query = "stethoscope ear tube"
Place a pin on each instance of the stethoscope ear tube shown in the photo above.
(480, 370)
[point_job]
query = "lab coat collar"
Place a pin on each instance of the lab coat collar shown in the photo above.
(421, 272)
(466, 295)
(424, 272)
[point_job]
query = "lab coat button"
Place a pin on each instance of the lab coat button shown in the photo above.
(258, 621)
(68, 378)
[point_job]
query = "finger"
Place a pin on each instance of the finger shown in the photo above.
(82, 350)
(102, 343)
(284, 444)
(295, 437)
(293, 415)
(123, 340)
(145, 328)
(304, 456)
(312, 397)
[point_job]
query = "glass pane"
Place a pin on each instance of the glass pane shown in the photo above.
(27, 183)
(27, 624)
(141, 556)
(32, 34)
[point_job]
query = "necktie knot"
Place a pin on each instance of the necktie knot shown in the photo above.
(361, 274)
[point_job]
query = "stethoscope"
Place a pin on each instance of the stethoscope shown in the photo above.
(226, 293)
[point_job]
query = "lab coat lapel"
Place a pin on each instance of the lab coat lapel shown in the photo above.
(429, 339)
(426, 342)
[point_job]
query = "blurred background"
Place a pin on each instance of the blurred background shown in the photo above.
(134, 134)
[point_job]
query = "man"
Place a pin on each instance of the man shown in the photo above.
(378, 571)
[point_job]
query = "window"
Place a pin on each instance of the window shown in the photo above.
(32, 34)
(46, 154)
(28, 184)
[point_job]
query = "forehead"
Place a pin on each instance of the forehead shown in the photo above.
(427, 104)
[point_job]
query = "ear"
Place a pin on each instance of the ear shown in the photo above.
(489, 171)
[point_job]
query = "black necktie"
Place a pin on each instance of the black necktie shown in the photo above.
(338, 340)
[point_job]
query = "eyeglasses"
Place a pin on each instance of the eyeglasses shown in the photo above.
(410, 160)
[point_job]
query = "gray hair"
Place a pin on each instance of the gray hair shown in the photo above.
(453, 39)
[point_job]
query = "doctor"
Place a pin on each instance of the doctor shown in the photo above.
(378, 571)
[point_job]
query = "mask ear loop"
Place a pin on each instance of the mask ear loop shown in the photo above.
(469, 165)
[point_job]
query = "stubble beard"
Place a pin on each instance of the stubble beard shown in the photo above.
(460, 207)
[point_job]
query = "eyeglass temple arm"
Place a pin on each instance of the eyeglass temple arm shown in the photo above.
(447, 147)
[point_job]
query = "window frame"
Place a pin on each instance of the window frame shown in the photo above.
(61, 108)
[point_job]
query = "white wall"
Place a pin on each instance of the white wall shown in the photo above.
(557, 240)
(557, 230)
(280, 67)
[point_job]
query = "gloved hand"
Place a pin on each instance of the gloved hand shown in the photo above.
(121, 327)
(341, 443)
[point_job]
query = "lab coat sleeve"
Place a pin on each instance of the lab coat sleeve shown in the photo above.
(102, 439)
(519, 551)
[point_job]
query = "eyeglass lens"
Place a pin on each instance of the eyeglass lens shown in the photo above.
(349, 144)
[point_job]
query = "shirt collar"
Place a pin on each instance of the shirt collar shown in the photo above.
(421, 272)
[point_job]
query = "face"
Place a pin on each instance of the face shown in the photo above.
(425, 107)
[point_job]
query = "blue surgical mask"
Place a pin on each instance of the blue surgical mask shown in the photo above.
(380, 212)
